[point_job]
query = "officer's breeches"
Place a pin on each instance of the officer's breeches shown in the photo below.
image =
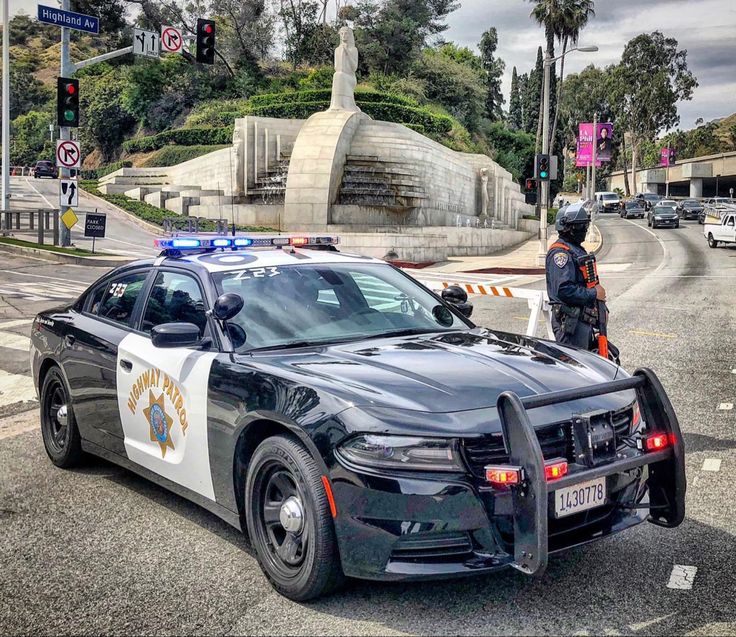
(582, 336)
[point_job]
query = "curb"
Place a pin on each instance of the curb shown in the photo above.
(48, 255)
(136, 220)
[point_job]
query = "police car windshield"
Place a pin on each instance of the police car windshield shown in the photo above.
(295, 305)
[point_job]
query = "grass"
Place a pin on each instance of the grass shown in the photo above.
(78, 252)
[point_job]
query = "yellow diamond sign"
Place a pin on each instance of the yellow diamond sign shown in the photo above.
(69, 219)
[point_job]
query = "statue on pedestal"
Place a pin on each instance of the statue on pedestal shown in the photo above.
(344, 80)
(238, 164)
(485, 197)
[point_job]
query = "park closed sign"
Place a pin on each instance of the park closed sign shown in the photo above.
(94, 225)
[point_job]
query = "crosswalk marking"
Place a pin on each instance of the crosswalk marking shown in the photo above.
(17, 323)
(15, 341)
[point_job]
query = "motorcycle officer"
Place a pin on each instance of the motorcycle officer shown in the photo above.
(575, 306)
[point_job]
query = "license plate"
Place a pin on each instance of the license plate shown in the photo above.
(581, 497)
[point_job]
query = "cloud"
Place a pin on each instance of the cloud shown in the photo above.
(704, 28)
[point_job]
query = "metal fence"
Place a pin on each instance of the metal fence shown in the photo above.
(189, 225)
(40, 221)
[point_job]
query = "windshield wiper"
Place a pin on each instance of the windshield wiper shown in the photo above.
(405, 332)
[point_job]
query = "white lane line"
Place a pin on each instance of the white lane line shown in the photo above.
(15, 388)
(665, 252)
(38, 192)
(17, 323)
(712, 464)
(725, 406)
(15, 341)
(39, 276)
(682, 577)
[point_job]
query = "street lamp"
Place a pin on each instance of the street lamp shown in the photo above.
(548, 62)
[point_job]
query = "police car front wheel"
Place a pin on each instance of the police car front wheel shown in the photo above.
(58, 426)
(289, 520)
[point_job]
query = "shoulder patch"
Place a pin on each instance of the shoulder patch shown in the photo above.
(561, 259)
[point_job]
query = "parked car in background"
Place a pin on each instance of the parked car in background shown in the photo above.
(649, 199)
(720, 232)
(608, 201)
(689, 209)
(633, 209)
(664, 214)
(45, 169)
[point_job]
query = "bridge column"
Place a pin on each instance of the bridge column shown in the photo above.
(696, 186)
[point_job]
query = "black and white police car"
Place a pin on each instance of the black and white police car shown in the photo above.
(347, 418)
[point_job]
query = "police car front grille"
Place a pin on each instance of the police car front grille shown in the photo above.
(555, 441)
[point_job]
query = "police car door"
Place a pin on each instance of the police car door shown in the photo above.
(162, 392)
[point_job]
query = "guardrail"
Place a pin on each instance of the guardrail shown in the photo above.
(537, 300)
(40, 220)
(190, 225)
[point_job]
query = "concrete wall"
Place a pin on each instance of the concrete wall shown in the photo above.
(211, 171)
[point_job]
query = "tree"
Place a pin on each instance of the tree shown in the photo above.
(493, 69)
(575, 15)
(246, 33)
(653, 77)
(516, 119)
(523, 88)
(533, 98)
(110, 12)
(308, 39)
(390, 36)
(548, 14)
(31, 139)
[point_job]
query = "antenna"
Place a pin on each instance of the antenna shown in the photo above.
(232, 194)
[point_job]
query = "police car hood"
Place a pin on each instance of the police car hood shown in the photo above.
(446, 373)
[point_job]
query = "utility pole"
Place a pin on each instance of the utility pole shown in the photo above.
(6, 108)
(593, 158)
(544, 185)
(64, 132)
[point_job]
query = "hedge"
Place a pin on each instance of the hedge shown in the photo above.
(409, 115)
(173, 155)
(325, 95)
(152, 214)
(96, 173)
(181, 136)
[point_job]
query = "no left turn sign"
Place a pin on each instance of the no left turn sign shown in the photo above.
(171, 39)
(68, 154)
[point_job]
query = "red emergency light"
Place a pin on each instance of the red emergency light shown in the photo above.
(504, 476)
(555, 469)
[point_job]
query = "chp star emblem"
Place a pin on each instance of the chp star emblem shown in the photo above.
(561, 259)
(160, 422)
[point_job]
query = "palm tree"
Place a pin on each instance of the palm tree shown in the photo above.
(574, 16)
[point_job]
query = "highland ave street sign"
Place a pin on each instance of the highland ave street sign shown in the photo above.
(69, 19)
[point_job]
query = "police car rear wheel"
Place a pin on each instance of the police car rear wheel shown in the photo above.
(58, 427)
(289, 520)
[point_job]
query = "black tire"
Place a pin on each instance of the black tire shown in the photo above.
(61, 440)
(302, 563)
(712, 243)
(677, 225)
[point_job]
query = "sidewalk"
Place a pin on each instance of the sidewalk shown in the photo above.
(521, 259)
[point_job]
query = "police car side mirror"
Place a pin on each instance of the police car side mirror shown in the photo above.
(175, 335)
(227, 305)
(458, 298)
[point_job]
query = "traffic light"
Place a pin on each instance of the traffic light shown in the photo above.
(67, 101)
(531, 184)
(542, 172)
(205, 41)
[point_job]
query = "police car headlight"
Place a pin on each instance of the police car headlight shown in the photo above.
(402, 453)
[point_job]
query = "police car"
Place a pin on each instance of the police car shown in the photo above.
(349, 420)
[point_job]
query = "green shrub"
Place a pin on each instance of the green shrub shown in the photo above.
(362, 96)
(96, 173)
(182, 137)
(217, 113)
(173, 155)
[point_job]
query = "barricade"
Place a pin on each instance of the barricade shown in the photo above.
(39, 221)
(537, 300)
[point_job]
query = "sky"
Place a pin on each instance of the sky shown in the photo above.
(705, 28)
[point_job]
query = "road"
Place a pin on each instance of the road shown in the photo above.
(99, 550)
(123, 236)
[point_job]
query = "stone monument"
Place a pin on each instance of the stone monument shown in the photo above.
(344, 80)
(484, 196)
(238, 160)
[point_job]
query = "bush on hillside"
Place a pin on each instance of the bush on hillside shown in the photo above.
(173, 155)
(182, 137)
(96, 173)
(362, 96)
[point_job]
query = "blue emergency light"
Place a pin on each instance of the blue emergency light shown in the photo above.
(210, 242)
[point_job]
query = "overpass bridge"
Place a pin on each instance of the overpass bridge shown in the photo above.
(707, 176)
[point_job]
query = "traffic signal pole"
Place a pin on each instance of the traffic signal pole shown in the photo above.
(67, 68)
(5, 204)
(544, 185)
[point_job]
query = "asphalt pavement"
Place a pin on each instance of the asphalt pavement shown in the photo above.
(99, 550)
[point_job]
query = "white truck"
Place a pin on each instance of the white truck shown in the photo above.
(720, 231)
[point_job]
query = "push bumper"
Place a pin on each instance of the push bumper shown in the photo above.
(666, 468)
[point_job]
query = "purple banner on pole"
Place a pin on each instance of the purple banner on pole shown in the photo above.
(603, 140)
(665, 157)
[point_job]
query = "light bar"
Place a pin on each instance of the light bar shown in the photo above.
(209, 242)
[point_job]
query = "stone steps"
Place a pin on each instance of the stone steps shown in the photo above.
(135, 181)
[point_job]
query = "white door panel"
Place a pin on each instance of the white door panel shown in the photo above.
(163, 409)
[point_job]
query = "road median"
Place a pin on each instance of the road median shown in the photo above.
(55, 253)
